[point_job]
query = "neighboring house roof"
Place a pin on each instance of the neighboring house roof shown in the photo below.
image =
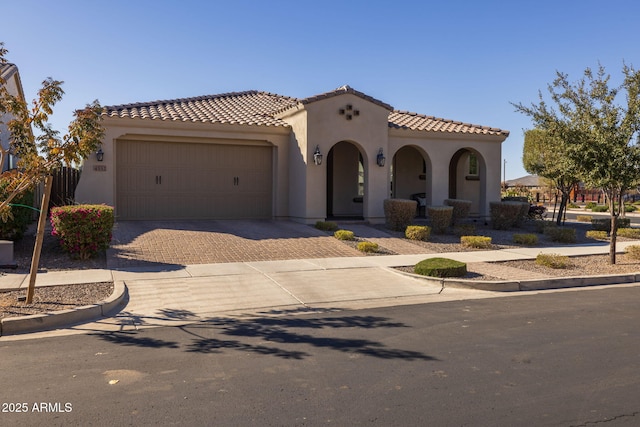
(260, 108)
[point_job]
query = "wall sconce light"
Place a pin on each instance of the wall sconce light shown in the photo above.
(317, 156)
(100, 155)
(380, 159)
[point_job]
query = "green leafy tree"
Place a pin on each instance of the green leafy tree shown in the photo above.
(38, 147)
(546, 156)
(600, 134)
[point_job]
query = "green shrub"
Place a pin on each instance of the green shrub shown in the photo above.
(326, 225)
(461, 209)
(553, 260)
(83, 230)
(631, 233)
(418, 232)
(633, 251)
(505, 215)
(561, 234)
(629, 208)
(590, 205)
(478, 242)
(525, 239)
(398, 213)
(600, 208)
(440, 267)
(367, 247)
(21, 217)
(572, 205)
(464, 230)
(344, 235)
(584, 218)
(604, 224)
(440, 217)
(597, 234)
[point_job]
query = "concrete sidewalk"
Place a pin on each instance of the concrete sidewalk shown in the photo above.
(173, 295)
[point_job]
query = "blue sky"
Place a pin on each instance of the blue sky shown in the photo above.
(461, 60)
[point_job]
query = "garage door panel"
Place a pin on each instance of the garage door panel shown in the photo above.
(195, 180)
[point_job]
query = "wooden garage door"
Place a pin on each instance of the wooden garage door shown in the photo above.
(165, 180)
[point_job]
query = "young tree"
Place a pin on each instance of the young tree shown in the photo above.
(44, 150)
(547, 157)
(601, 135)
(38, 154)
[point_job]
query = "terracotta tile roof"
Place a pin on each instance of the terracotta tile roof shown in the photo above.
(261, 109)
(246, 108)
(420, 122)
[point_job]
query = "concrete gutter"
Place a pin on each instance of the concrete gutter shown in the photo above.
(63, 318)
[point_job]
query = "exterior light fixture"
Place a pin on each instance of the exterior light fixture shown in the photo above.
(380, 159)
(317, 156)
(100, 155)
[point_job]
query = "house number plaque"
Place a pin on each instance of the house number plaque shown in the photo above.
(100, 168)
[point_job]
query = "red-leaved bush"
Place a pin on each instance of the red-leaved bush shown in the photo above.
(83, 230)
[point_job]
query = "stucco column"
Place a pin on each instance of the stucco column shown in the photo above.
(440, 186)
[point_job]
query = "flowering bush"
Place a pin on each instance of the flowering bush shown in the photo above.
(83, 230)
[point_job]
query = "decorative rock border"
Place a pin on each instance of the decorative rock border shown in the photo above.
(57, 319)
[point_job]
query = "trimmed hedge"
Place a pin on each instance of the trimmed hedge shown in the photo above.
(461, 209)
(440, 217)
(344, 235)
(83, 230)
(326, 225)
(525, 239)
(604, 224)
(440, 267)
(597, 234)
(505, 215)
(553, 260)
(368, 247)
(630, 233)
(477, 242)
(398, 213)
(561, 234)
(417, 232)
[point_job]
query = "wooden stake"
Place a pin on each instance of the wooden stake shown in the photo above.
(35, 260)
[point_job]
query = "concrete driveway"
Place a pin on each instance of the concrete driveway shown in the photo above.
(167, 243)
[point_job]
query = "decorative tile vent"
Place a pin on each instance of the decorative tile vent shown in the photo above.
(349, 112)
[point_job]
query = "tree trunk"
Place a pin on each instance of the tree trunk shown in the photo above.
(614, 231)
(44, 207)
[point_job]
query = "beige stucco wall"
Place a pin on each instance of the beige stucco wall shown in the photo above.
(325, 127)
(98, 179)
(441, 148)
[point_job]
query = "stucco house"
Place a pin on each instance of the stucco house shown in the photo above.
(10, 79)
(260, 155)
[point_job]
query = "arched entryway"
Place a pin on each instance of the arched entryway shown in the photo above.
(411, 176)
(467, 179)
(345, 181)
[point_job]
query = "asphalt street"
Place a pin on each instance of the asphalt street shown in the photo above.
(563, 358)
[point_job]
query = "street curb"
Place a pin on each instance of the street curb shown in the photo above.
(530, 284)
(56, 319)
